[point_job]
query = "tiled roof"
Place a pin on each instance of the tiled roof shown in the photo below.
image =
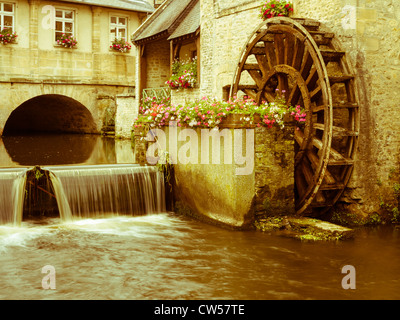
(131, 5)
(190, 23)
(167, 19)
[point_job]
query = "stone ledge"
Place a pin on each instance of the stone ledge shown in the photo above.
(304, 228)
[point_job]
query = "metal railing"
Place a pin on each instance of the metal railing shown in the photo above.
(159, 93)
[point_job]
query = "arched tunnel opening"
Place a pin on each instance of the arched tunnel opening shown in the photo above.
(47, 130)
(50, 130)
(50, 113)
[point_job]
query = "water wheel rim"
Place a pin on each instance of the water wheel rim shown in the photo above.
(285, 24)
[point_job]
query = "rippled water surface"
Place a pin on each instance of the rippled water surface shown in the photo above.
(166, 256)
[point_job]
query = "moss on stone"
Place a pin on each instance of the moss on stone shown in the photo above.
(304, 229)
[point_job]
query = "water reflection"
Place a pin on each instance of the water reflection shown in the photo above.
(63, 149)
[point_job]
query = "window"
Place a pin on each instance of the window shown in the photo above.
(118, 28)
(64, 23)
(7, 16)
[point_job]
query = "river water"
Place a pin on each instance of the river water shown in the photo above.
(167, 256)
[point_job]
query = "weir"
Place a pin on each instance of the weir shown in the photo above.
(87, 191)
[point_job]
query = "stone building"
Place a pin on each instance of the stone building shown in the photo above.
(172, 32)
(368, 32)
(49, 87)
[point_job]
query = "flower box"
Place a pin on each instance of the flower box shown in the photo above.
(7, 36)
(184, 74)
(275, 8)
(67, 41)
(120, 45)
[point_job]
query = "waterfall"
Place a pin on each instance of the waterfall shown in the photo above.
(12, 190)
(108, 190)
(84, 191)
(62, 201)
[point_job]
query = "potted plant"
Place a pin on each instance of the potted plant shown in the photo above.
(67, 41)
(7, 36)
(275, 8)
(120, 45)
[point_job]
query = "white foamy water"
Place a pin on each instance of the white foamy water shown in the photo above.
(167, 256)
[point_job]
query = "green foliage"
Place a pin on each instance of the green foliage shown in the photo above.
(184, 74)
(209, 113)
(7, 36)
(120, 45)
(275, 8)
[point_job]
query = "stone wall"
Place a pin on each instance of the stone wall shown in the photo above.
(274, 171)
(157, 56)
(229, 177)
(225, 28)
(127, 110)
(181, 96)
(369, 32)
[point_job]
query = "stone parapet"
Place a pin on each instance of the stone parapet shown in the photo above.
(231, 181)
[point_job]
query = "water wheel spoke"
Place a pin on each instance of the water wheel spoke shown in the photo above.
(250, 93)
(279, 48)
(266, 95)
(298, 55)
(319, 201)
(270, 54)
(301, 184)
(306, 64)
(294, 94)
(263, 63)
(312, 79)
(283, 85)
(308, 173)
(337, 131)
(314, 159)
(289, 48)
(315, 94)
(319, 109)
(257, 77)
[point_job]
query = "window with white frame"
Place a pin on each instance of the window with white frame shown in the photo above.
(118, 28)
(65, 23)
(7, 16)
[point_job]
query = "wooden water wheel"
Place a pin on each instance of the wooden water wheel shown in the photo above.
(306, 65)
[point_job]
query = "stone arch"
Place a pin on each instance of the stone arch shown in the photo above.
(50, 113)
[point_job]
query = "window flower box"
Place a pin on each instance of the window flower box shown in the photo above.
(7, 36)
(120, 45)
(67, 41)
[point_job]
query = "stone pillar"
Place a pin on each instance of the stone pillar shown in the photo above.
(274, 171)
(33, 37)
(207, 45)
(127, 112)
(96, 36)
